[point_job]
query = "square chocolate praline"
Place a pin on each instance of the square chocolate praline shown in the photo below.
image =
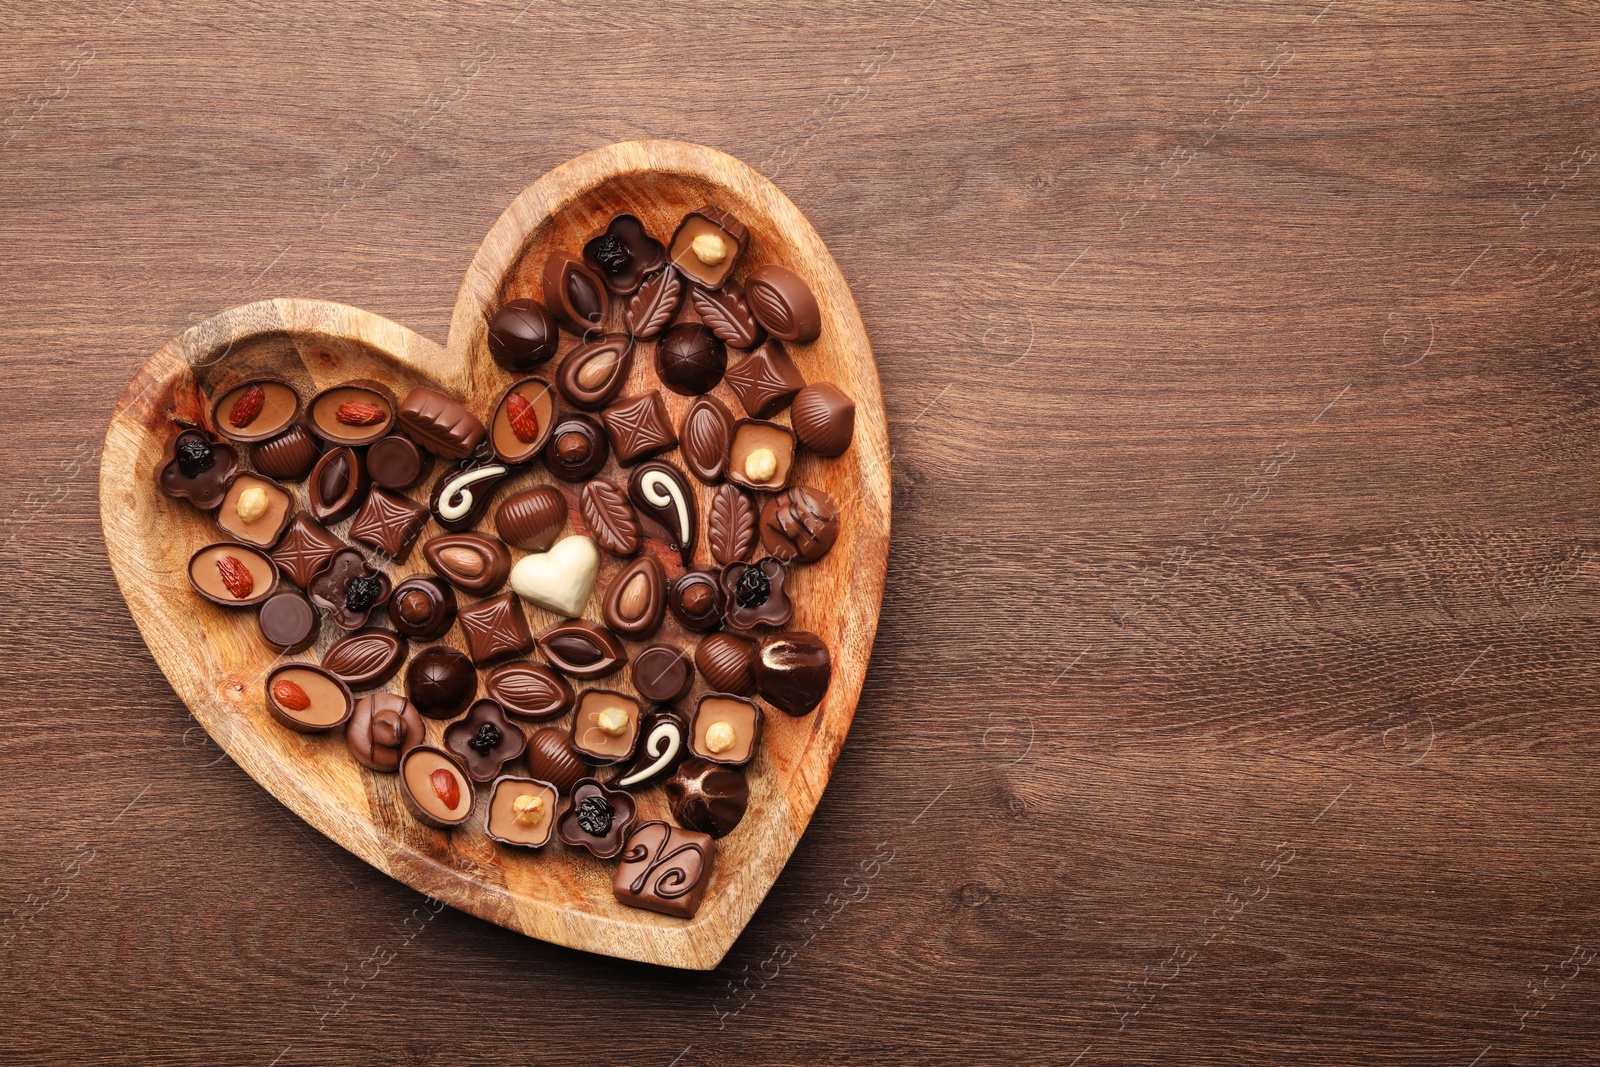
(639, 428)
(389, 523)
(665, 869)
(495, 629)
(765, 381)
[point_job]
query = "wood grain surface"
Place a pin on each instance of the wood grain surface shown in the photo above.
(1234, 698)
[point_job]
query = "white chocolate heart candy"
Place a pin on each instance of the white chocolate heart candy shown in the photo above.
(560, 579)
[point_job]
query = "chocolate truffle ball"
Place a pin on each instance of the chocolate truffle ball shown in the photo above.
(522, 335)
(441, 682)
(690, 359)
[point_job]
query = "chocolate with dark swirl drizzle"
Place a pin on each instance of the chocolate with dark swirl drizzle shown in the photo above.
(665, 868)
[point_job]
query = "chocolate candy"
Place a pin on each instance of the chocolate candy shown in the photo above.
(793, 670)
(255, 511)
(255, 410)
(349, 588)
(783, 303)
(624, 254)
(552, 758)
(439, 424)
(728, 662)
(756, 594)
(337, 486)
(435, 785)
(665, 869)
(523, 420)
(663, 744)
(441, 681)
(706, 433)
(639, 428)
(522, 335)
(462, 493)
(799, 524)
(355, 413)
(389, 523)
(422, 606)
(573, 292)
(234, 576)
(731, 524)
(707, 245)
(582, 649)
(662, 492)
(495, 629)
(304, 549)
(484, 741)
(560, 579)
(597, 820)
(365, 659)
(577, 448)
(531, 519)
(288, 622)
(725, 729)
(610, 518)
(606, 726)
(652, 307)
(529, 690)
(726, 314)
(762, 455)
(695, 600)
(662, 673)
(198, 469)
(382, 726)
(591, 375)
(707, 797)
(307, 699)
(690, 359)
(765, 381)
(522, 812)
(824, 418)
(396, 462)
(288, 456)
(637, 599)
(472, 562)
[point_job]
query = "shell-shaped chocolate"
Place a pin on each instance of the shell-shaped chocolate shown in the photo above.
(337, 486)
(582, 649)
(728, 662)
(551, 758)
(824, 418)
(365, 659)
(286, 457)
(610, 518)
(705, 437)
(529, 690)
(783, 303)
(727, 314)
(531, 519)
(731, 524)
(472, 562)
(636, 601)
(573, 292)
(652, 307)
(591, 375)
(661, 491)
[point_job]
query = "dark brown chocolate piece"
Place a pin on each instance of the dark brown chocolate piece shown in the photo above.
(761, 455)
(232, 575)
(793, 670)
(441, 681)
(636, 601)
(665, 869)
(349, 588)
(690, 359)
(573, 292)
(695, 599)
(255, 511)
(706, 433)
(529, 690)
(532, 519)
(577, 448)
(365, 659)
(198, 469)
(337, 486)
(756, 594)
(610, 518)
(783, 303)
(522, 335)
(472, 562)
(354, 414)
(598, 819)
(707, 797)
(652, 307)
(396, 462)
(307, 698)
(663, 745)
(624, 254)
(728, 662)
(591, 375)
(660, 490)
(765, 381)
(639, 428)
(731, 524)
(435, 785)
(582, 649)
(423, 607)
(707, 246)
(389, 523)
(725, 729)
(799, 524)
(552, 758)
(288, 622)
(484, 741)
(288, 456)
(521, 812)
(441, 425)
(662, 673)
(824, 418)
(495, 629)
(726, 313)
(304, 549)
(256, 409)
(462, 494)
(383, 726)
(523, 420)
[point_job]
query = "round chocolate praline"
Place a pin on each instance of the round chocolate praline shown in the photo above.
(522, 335)
(577, 447)
(288, 622)
(696, 600)
(397, 462)
(690, 359)
(422, 606)
(662, 673)
(441, 681)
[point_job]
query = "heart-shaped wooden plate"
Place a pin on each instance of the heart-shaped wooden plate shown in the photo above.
(216, 660)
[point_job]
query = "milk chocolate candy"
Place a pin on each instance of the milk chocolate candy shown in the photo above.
(605, 728)
(582, 649)
(800, 524)
(783, 303)
(337, 486)
(397, 462)
(690, 359)
(706, 434)
(307, 698)
(441, 425)
(624, 254)
(288, 456)
(651, 308)
(521, 812)
(255, 511)
(591, 375)
(288, 621)
(665, 869)
(725, 729)
(636, 601)
(441, 682)
(522, 335)
(349, 589)
(495, 629)
(695, 600)
(354, 414)
(727, 314)
(793, 670)
(761, 455)
(707, 246)
(532, 519)
(598, 819)
(304, 549)
(731, 524)
(573, 292)
(423, 607)
(662, 673)
(382, 726)
(232, 575)
(756, 595)
(484, 741)
(639, 428)
(551, 758)
(707, 797)
(765, 381)
(198, 469)
(523, 420)
(663, 745)
(824, 418)
(528, 690)
(365, 659)
(462, 494)
(610, 518)
(435, 785)
(661, 491)
(256, 409)
(472, 562)
(728, 662)
(577, 448)
(389, 523)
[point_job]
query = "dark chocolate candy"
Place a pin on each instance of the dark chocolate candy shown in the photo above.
(610, 518)
(232, 575)
(349, 588)
(660, 490)
(582, 649)
(690, 359)
(389, 523)
(288, 456)
(824, 418)
(337, 486)
(663, 745)
(472, 562)
(365, 659)
(435, 785)
(532, 519)
(441, 681)
(662, 673)
(577, 448)
(756, 594)
(307, 698)
(288, 622)
(783, 303)
(725, 729)
(728, 662)
(356, 413)
(198, 469)
(765, 381)
(624, 254)
(382, 726)
(706, 433)
(397, 462)
(652, 307)
(495, 629)
(529, 690)
(636, 601)
(793, 670)
(761, 455)
(255, 510)
(304, 549)
(731, 524)
(422, 606)
(573, 292)
(707, 797)
(665, 869)
(523, 420)
(484, 741)
(256, 409)
(522, 335)
(552, 758)
(799, 524)
(726, 313)
(591, 375)
(707, 246)
(639, 428)
(461, 495)
(598, 819)
(695, 599)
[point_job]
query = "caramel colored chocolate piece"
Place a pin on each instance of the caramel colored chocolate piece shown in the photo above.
(436, 786)
(397, 462)
(521, 812)
(624, 254)
(761, 455)
(824, 418)
(783, 303)
(522, 335)
(304, 549)
(349, 588)
(484, 741)
(495, 629)
(765, 381)
(389, 523)
(591, 375)
(423, 607)
(287, 457)
(707, 246)
(382, 726)
(551, 758)
(232, 575)
(728, 662)
(255, 511)
(706, 434)
(529, 690)
(725, 729)
(198, 469)
(639, 428)
(355, 413)
(606, 726)
(636, 602)
(573, 292)
(793, 670)
(665, 869)
(577, 448)
(610, 518)
(307, 698)
(582, 649)
(652, 307)
(707, 797)
(727, 314)
(663, 745)
(800, 524)
(288, 622)
(255, 410)
(472, 562)
(523, 420)
(337, 486)
(731, 524)
(365, 659)
(532, 519)
(660, 490)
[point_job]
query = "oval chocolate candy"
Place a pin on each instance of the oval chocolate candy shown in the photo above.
(591, 375)
(705, 436)
(582, 649)
(472, 562)
(636, 601)
(365, 659)
(529, 690)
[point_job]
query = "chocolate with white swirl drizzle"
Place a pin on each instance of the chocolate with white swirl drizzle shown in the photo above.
(461, 495)
(665, 868)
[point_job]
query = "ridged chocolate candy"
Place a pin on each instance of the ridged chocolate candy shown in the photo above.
(287, 457)
(551, 758)
(441, 425)
(705, 434)
(799, 524)
(532, 519)
(823, 418)
(728, 662)
(365, 659)
(766, 380)
(783, 303)
(529, 690)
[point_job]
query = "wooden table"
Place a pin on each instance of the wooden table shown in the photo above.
(1235, 695)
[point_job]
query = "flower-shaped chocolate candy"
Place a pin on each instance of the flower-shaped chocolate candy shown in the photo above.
(598, 819)
(755, 594)
(485, 740)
